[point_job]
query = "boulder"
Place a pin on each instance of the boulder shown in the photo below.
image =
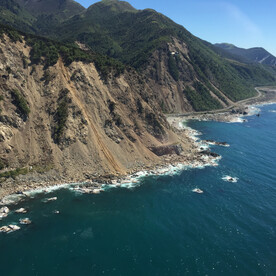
(166, 150)
(25, 221)
(21, 211)
(10, 228)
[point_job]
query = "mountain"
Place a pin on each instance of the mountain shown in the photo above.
(68, 115)
(256, 55)
(37, 16)
(147, 41)
(83, 92)
(186, 72)
(60, 8)
(11, 13)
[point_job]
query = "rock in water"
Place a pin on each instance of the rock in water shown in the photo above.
(4, 211)
(21, 211)
(25, 221)
(10, 228)
(197, 190)
(50, 199)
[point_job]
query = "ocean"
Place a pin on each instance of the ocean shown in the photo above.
(161, 227)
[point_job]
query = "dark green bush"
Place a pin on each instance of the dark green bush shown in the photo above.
(139, 105)
(21, 104)
(201, 99)
(173, 67)
(154, 124)
(2, 165)
(60, 118)
(14, 173)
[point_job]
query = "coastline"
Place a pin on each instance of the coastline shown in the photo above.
(234, 114)
(199, 157)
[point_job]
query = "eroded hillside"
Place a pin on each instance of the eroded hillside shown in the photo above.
(70, 124)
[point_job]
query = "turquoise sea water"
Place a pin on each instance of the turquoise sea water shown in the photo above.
(162, 227)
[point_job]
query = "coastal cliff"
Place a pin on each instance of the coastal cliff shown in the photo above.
(67, 123)
(84, 92)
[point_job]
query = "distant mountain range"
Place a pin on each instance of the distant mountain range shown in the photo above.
(256, 54)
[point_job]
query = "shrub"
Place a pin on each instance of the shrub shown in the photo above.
(60, 118)
(21, 104)
(173, 68)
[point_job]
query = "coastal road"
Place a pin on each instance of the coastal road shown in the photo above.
(237, 104)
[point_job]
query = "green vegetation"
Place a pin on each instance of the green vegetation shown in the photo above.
(129, 37)
(201, 99)
(23, 171)
(139, 105)
(216, 92)
(41, 168)
(11, 13)
(2, 164)
(21, 104)
(156, 128)
(111, 106)
(252, 55)
(14, 173)
(48, 51)
(173, 67)
(117, 119)
(61, 116)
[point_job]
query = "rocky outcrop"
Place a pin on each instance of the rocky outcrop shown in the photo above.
(166, 150)
(209, 153)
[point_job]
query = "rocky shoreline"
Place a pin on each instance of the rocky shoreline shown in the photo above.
(198, 156)
(236, 114)
(95, 186)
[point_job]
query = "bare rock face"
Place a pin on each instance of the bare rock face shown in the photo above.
(75, 123)
(166, 150)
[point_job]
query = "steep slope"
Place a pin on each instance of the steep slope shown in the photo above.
(70, 123)
(11, 13)
(192, 72)
(37, 16)
(257, 54)
(60, 8)
(184, 72)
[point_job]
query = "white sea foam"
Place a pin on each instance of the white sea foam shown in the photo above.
(272, 111)
(197, 190)
(230, 179)
(12, 199)
(50, 189)
(237, 120)
(129, 182)
(253, 110)
(16, 198)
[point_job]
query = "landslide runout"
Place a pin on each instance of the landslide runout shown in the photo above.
(85, 149)
(103, 148)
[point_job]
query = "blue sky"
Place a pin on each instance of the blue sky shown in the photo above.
(245, 23)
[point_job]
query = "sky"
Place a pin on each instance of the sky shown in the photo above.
(244, 23)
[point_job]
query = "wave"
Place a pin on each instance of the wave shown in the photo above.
(230, 179)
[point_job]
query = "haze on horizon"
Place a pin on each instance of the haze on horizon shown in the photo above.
(245, 24)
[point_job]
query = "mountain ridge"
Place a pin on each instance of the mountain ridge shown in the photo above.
(255, 54)
(147, 40)
(83, 93)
